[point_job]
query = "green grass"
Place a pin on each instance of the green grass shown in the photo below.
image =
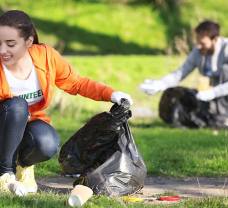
(85, 27)
(123, 73)
(178, 153)
(101, 27)
(88, 28)
(52, 200)
(166, 151)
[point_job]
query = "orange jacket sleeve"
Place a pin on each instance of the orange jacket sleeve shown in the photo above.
(68, 80)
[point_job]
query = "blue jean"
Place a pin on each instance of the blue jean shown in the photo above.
(22, 142)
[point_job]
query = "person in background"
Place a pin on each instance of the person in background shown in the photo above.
(28, 73)
(210, 56)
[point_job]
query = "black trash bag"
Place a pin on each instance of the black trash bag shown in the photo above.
(179, 106)
(104, 153)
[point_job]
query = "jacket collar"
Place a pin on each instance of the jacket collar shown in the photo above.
(37, 60)
(5, 90)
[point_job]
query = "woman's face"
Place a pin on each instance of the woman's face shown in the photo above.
(12, 46)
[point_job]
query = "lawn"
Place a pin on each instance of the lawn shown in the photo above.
(134, 39)
(166, 151)
(106, 27)
(51, 200)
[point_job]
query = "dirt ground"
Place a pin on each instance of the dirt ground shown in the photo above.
(196, 187)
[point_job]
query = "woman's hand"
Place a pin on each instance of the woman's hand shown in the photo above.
(117, 96)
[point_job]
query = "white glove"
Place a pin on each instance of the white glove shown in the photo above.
(152, 87)
(117, 96)
(206, 95)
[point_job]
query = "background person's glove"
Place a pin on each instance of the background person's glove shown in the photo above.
(152, 87)
(206, 95)
(117, 96)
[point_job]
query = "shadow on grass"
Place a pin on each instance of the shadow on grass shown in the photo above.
(171, 17)
(99, 43)
(104, 44)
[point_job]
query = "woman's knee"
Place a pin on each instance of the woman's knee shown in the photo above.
(16, 107)
(48, 147)
(47, 141)
(39, 144)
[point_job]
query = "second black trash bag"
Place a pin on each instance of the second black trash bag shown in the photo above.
(103, 151)
(179, 107)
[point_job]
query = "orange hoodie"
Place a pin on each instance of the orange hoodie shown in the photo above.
(52, 70)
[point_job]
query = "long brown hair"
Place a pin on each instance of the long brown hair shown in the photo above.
(21, 21)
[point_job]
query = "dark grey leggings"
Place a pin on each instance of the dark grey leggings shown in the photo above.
(26, 142)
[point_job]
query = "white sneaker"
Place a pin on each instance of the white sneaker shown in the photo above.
(8, 183)
(17, 188)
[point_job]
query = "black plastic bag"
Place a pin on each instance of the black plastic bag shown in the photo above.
(104, 153)
(180, 107)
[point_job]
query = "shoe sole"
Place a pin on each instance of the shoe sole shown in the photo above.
(32, 190)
